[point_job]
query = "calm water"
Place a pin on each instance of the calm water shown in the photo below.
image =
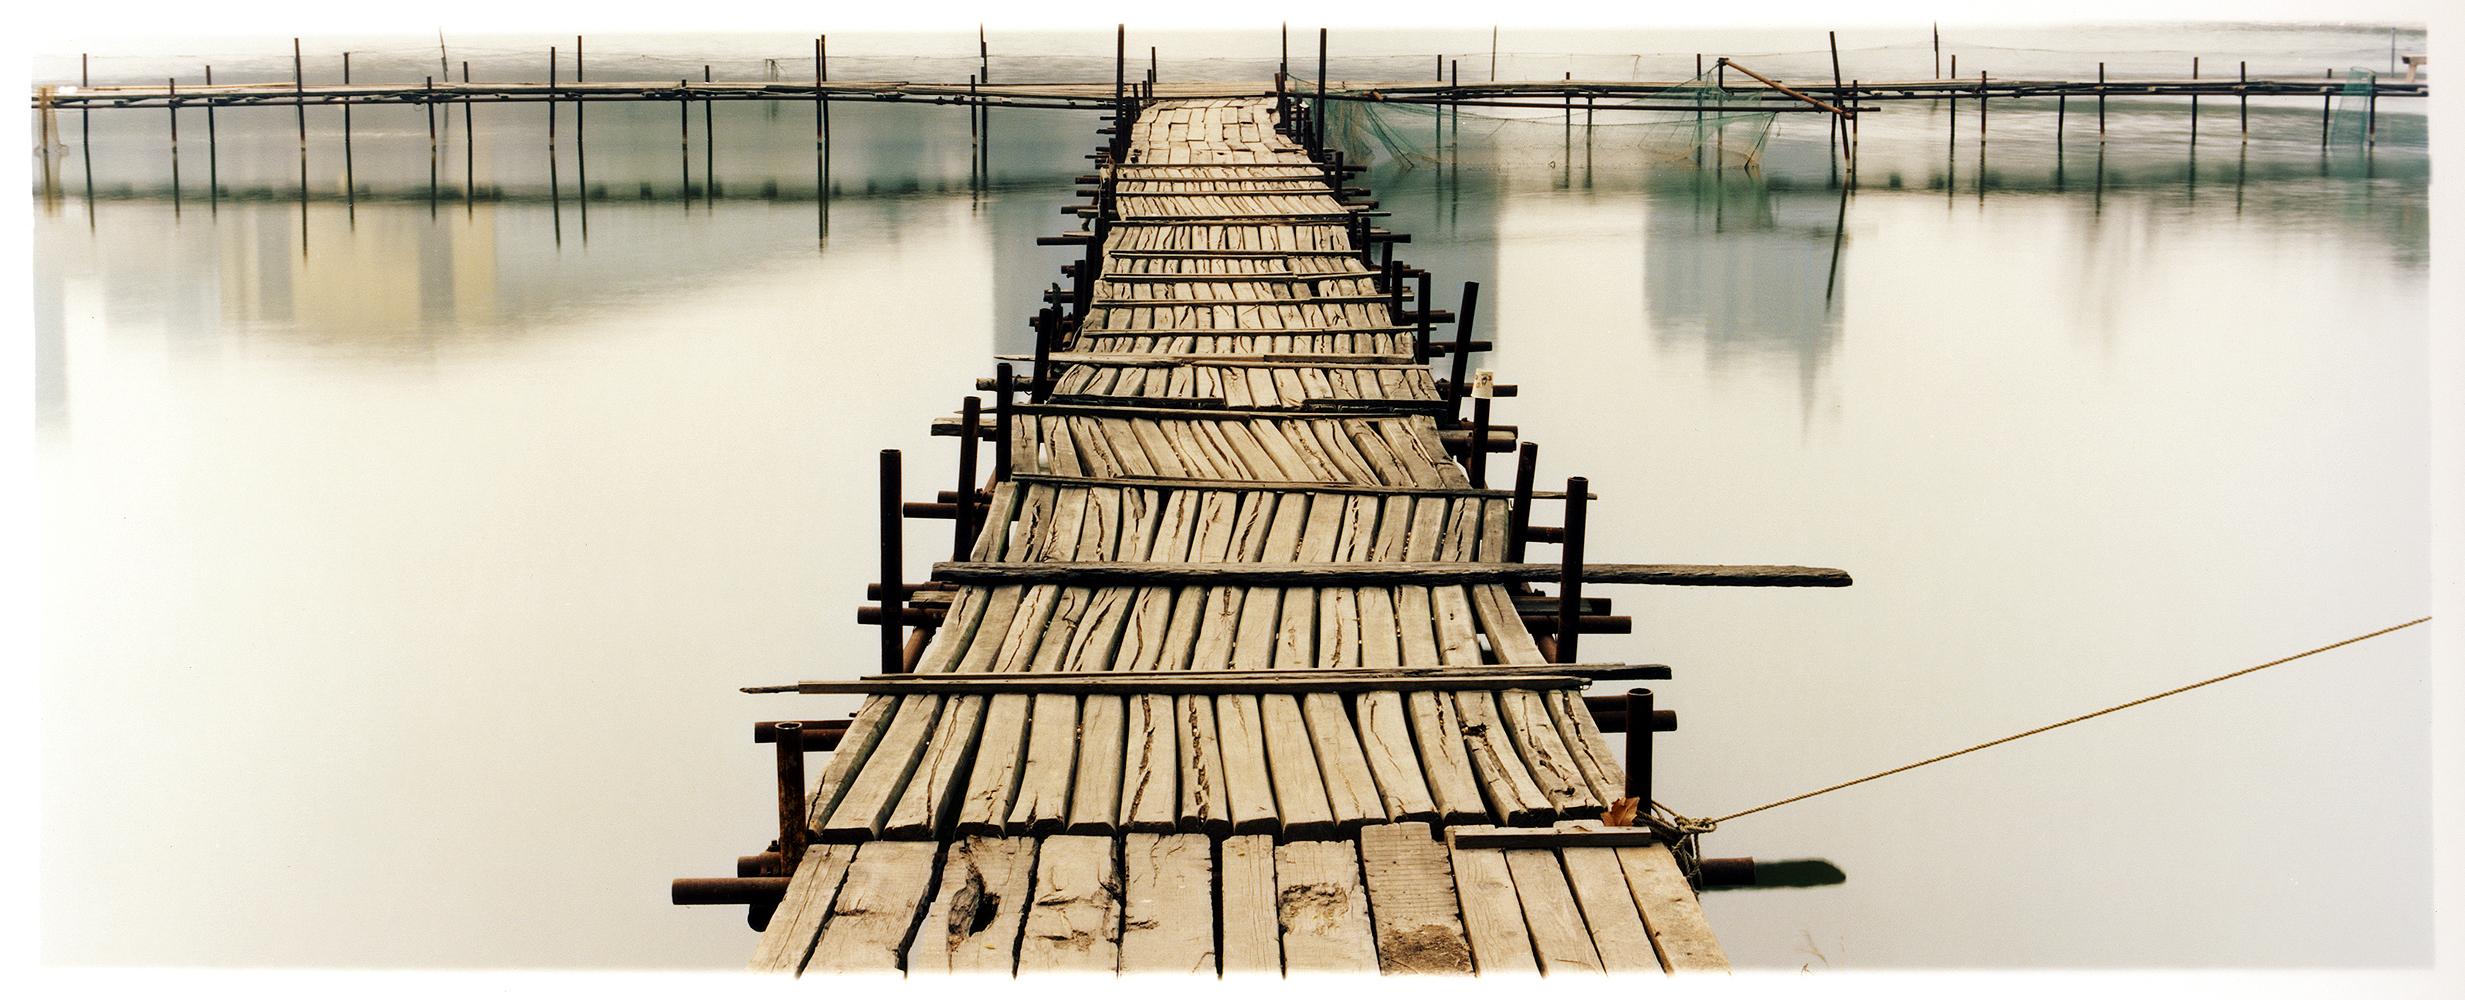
(425, 542)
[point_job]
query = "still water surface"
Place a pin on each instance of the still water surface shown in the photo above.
(426, 543)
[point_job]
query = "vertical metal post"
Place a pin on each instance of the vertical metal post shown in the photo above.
(172, 103)
(428, 103)
(581, 162)
(350, 182)
(963, 535)
(1039, 383)
(1459, 367)
(788, 740)
(710, 149)
(470, 145)
(1519, 513)
(2370, 112)
(1639, 747)
(1002, 387)
(1318, 107)
(1395, 288)
(894, 592)
(556, 203)
(1570, 570)
(2327, 98)
(1421, 323)
(1476, 457)
(299, 93)
(213, 149)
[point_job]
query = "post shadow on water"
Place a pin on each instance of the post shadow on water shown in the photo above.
(1792, 873)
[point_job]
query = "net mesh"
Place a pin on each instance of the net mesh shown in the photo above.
(1699, 122)
(2348, 124)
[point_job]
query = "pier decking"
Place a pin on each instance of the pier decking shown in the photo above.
(1237, 672)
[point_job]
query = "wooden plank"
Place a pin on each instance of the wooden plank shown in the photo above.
(1151, 763)
(802, 911)
(1168, 903)
(868, 803)
(1074, 924)
(929, 806)
(1559, 936)
(1609, 911)
(1493, 916)
(973, 923)
(1671, 913)
(1246, 906)
(877, 908)
(1322, 910)
(1412, 900)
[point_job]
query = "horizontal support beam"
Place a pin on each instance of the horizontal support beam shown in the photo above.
(1174, 483)
(1491, 676)
(1298, 574)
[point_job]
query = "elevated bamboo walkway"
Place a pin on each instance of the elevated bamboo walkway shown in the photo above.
(1236, 669)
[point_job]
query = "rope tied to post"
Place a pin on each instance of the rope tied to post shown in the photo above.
(1673, 821)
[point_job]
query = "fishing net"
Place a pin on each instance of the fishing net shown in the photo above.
(2348, 124)
(1699, 122)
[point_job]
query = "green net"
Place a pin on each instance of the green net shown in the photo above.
(1699, 122)
(2347, 125)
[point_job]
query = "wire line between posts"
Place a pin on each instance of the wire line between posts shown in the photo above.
(1706, 825)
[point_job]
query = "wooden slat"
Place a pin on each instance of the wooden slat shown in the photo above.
(802, 911)
(887, 885)
(973, 923)
(1670, 911)
(1246, 906)
(1493, 916)
(1609, 911)
(1168, 903)
(1412, 900)
(1322, 908)
(1074, 924)
(1559, 936)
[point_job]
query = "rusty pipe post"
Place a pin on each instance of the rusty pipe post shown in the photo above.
(962, 531)
(1001, 422)
(1420, 330)
(1461, 365)
(1519, 513)
(790, 746)
(1639, 747)
(1570, 570)
(1040, 379)
(894, 601)
(1476, 458)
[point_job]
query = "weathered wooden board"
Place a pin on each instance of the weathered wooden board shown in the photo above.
(1322, 909)
(1074, 922)
(877, 907)
(973, 923)
(1168, 903)
(1412, 900)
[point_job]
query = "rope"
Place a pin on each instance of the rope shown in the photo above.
(1707, 825)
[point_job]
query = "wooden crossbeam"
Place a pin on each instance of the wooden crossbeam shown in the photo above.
(1301, 574)
(1480, 677)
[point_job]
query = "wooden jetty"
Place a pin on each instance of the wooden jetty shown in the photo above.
(1237, 667)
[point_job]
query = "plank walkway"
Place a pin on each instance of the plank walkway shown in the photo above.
(1225, 832)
